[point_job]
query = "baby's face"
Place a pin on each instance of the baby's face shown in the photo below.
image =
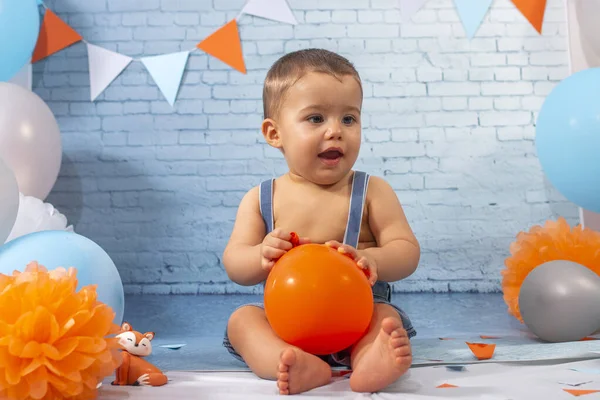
(320, 127)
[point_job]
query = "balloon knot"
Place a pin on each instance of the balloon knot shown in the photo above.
(295, 239)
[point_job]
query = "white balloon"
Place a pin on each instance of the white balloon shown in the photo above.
(30, 141)
(34, 216)
(588, 17)
(9, 200)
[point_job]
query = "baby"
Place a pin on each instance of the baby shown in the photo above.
(312, 114)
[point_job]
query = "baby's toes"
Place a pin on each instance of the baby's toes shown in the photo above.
(283, 385)
(283, 368)
(405, 360)
(402, 351)
(399, 333)
(398, 342)
(283, 376)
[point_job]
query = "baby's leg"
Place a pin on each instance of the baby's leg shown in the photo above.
(383, 354)
(270, 357)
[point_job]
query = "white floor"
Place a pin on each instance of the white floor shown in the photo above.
(522, 367)
(477, 381)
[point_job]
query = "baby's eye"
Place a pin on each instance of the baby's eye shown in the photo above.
(131, 340)
(348, 119)
(316, 119)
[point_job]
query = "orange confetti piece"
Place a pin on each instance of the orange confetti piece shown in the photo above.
(588, 338)
(54, 36)
(225, 45)
(580, 392)
(489, 337)
(533, 10)
(483, 351)
(446, 385)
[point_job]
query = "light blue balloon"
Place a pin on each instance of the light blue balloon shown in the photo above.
(568, 138)
(54, 249)
(19, 30)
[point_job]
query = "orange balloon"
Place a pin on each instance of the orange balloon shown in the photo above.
(318, 299)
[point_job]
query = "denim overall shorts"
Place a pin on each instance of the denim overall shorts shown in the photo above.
(382, 292)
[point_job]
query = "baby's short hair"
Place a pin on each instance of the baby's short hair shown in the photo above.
(291, 67)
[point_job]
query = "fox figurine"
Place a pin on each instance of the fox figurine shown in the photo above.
(134, 370)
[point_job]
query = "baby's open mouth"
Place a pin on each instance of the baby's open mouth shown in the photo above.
(331, 157)
(331, 154)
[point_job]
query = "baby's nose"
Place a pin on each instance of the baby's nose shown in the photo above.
(334, 131)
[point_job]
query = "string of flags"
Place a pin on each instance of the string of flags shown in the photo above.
(166, 69)
(224, 44)
(473, 12)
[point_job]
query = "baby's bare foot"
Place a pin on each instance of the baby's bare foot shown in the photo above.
(388, 358)
(299, 372)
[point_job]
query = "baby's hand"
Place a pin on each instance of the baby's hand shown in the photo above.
(363, 261)
(275, 245)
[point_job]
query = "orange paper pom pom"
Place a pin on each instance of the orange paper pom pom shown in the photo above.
(53, 340)
(553, 241)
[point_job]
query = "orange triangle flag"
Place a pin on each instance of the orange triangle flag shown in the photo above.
(54, 36)
(580, 392)
(225, 45)
(533, 10)
(446, 385)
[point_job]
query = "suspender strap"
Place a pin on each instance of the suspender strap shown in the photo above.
(360, 183)
(265, 196)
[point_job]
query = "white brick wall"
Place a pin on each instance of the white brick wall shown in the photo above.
(449, 122)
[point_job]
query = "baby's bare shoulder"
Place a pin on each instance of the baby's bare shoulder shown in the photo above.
(250, 199)
(379, 190)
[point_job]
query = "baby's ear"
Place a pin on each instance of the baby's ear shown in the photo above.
(149, 335)
(271, 133)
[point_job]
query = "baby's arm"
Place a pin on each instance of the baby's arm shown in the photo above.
(242, 255)
(397, 253)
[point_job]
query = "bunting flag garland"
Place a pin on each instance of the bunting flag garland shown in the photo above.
(277, 10)
(408, 8)
(225, 45)
(533, 10)
(54, 36)
(105, 66)
(167, 71)
(472, 13)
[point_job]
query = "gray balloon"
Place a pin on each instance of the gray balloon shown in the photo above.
(560, 301)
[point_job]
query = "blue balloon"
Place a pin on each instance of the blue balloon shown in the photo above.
(54, 249)
(568, 138)
(19, 30)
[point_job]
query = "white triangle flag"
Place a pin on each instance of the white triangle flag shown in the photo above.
(24, 77)
(167, 71)
(105, 66)
(276, 10)
(408, 8)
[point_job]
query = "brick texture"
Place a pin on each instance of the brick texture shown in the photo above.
(448, 122)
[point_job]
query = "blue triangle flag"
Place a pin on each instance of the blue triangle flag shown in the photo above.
(472, 13)
(167, 71)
